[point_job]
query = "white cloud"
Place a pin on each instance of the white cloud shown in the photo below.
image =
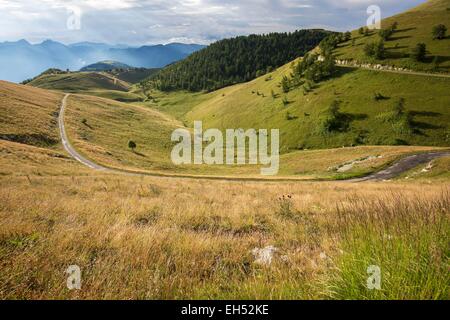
(160, 21)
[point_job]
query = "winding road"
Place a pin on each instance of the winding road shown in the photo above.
(413, 73)
(392, 171)
(65, 141)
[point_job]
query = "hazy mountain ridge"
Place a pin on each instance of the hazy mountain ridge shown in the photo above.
(21, 60)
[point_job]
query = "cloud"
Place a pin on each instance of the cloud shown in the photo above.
(139, 22)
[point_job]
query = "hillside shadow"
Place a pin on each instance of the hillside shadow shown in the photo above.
(344, 120)
(342, 71)
(441, 59)
(396, 55)
(405, 30)
(398, 47)
(419, 126)
(140, 154)
(380, 97)
(425, 113)
(88, 125)
(423, 125)
(399, 38)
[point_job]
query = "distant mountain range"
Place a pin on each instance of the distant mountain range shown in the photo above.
(21, 60)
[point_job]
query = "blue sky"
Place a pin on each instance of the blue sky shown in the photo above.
(139, 22)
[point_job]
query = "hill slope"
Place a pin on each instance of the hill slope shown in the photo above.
(414, 26)
(79, 81)
(100, 130)
(29, 115)
(301, 116)
(106, 65)
(133, 75)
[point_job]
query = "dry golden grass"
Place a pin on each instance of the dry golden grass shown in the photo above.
(17, 159)
(156, 238)
(29, 115)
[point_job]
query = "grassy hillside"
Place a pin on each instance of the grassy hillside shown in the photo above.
(20, 160)
(414, 26)
(100, 129)
(251, 105)
(133, 75)
(80, 82)
(111, 85)
(368, 101)
(28, 115)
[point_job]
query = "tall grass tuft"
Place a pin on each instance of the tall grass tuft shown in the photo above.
(407, 239)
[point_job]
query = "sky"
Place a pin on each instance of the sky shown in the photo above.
(142, 22)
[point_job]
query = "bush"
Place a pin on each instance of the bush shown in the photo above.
(398, 118)
(394, 26)
(259, 73)
(439, 32)
(290, 117)
(378, 96)
(132, 145)
(385, 34)
(320, 70)
(419, 52)
(333, 119)
(285, 84)
(330, 42)
(347, 36)
(375, 50)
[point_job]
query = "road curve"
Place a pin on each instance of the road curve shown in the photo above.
(65, 141)
(403, 165)
(392, 171)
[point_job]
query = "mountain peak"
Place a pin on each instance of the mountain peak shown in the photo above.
(21, 42)
(49, 41)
